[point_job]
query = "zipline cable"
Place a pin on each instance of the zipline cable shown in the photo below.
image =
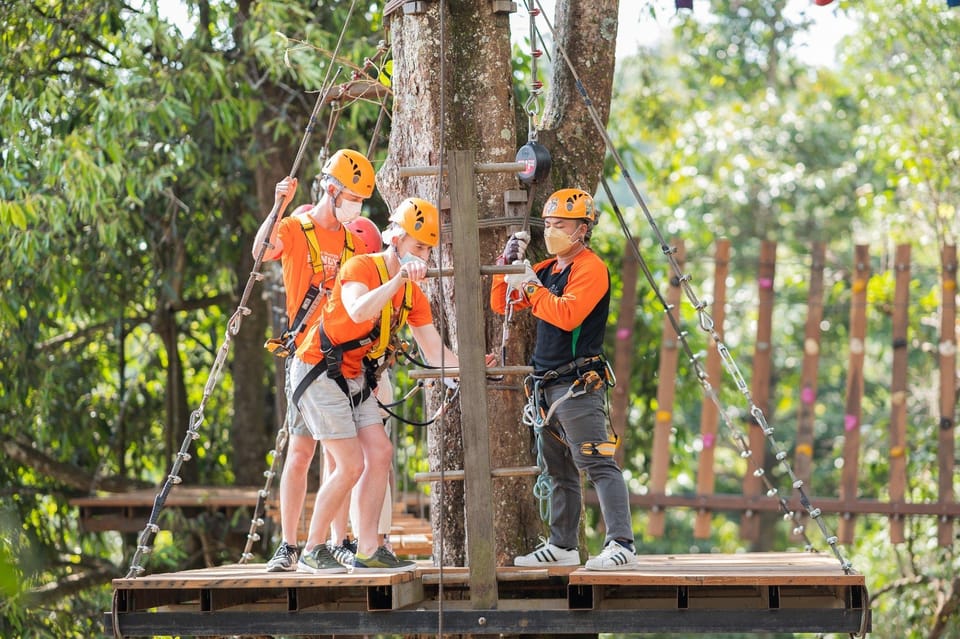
(150, 530)
(707, 325)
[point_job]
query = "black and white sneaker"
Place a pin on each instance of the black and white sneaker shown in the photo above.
(285, 559)
(344, 552)
(613, 557)
(546, 554)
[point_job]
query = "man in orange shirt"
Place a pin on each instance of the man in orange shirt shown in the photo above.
(310, 244)
(569, 294)
(373, 297)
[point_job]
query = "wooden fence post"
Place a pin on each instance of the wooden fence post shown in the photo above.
(948, 388)
(666, 388)
(623, 351)
(854, 390)
(898, 388)
(760, 384)
(709, 414)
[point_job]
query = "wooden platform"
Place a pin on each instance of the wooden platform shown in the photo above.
(697, 593)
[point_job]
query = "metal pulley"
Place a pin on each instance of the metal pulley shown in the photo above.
(537, 160)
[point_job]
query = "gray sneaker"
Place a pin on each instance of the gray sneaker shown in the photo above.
(382, 561)
(320, 561)
(285, 559)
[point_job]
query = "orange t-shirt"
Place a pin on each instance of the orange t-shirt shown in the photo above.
(341, 329)
(298, 273)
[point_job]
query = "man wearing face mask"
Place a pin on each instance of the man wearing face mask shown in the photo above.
(311, 243)
(373, 297)
(569, 294)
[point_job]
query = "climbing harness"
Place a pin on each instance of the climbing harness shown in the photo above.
(285, 345)
(707, 325)
(538, 420)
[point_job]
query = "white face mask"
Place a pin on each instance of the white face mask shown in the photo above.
(348, 211)
(557, 241)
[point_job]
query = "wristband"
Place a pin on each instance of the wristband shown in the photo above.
(529, 289)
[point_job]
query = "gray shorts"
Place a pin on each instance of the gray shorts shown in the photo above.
(295, 423)
(326, 410)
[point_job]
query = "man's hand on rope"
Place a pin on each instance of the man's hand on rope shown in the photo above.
(515, 248)
(517, 280)
(283, 195)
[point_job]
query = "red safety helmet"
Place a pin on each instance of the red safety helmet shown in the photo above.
(368, 234)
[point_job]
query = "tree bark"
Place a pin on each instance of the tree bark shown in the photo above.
(472, 101)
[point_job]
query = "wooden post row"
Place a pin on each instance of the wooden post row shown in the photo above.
(666, 385)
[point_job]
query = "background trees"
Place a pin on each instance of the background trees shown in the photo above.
(140, 154)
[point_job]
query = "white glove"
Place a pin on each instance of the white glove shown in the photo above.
(517, 280)
(451, 382)
(516, 246)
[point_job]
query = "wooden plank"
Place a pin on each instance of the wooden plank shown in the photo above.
(666, 389)
(746, 569)
(760, 383)
(948, 389)
(244, 576)
(478, 487)
(803, 451)
(854, 389)
(898, 388)
(709, 415)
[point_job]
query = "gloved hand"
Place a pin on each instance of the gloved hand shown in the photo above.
(517, 280)
(516, 246)
(451, 382)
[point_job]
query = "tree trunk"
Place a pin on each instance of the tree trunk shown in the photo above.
(257, 399)
(473, 102)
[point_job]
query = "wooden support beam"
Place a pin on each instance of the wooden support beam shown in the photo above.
(478, 489)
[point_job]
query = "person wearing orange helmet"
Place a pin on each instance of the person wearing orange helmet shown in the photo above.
(569, 295)
(373, 297)
(311, 243)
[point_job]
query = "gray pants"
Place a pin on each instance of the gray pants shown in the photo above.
(578, 420)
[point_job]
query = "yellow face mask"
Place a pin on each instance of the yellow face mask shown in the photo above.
(557, 241)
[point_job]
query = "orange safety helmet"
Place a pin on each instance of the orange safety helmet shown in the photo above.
(419, 219)
(572, 204)
(368, 235)
(352, 170)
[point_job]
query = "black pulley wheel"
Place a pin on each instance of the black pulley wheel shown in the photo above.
(537, 160)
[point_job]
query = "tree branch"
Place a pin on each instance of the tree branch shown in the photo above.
(21, 450)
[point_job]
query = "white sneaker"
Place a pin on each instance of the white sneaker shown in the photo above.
(613, 557)
(546, 554)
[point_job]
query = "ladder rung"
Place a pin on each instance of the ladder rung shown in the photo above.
(458, 475)
(453, 371)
